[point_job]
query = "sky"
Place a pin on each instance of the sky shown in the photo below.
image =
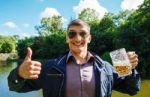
(19, 17)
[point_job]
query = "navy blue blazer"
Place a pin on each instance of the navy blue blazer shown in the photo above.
(52, 79)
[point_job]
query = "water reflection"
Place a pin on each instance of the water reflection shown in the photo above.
(5, 68)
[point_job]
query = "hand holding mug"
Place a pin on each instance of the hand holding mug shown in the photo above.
(133, 57)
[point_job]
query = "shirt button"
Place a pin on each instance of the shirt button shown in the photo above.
(16, 81)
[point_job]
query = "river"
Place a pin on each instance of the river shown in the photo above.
(5, 68)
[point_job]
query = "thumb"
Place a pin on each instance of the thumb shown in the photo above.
(29, 54)
(130, 53)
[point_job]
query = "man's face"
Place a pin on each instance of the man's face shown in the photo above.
(78, 38)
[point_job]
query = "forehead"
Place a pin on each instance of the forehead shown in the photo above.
(78, 23)
(78, 28)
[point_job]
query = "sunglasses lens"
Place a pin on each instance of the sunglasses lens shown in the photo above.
(71, 34)
(83, 34)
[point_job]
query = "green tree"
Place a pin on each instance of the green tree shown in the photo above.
(134, 35)
(103, 34)
(50, 42)
(128, 29)
(88, 15)
(22, 46)
(7, 44)
(49, 25)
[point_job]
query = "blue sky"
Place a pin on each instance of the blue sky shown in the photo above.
(19, 17)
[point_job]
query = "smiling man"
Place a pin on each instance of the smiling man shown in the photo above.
(78, 38)
(77, 73)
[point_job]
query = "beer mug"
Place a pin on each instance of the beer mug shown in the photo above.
(121, 62)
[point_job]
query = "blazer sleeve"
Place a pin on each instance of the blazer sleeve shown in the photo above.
(19, 84)
(129, 84)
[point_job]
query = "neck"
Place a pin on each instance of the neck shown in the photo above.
(81, 57)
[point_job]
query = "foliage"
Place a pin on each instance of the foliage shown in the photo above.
(128, 29)
(134, 35)
(49, 25)
(88, 15)
(44, 47)
(49, 46)
(103, 34)
(22, 46)
(106, 57)
(7, 44)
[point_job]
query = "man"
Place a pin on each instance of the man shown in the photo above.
(77, 73)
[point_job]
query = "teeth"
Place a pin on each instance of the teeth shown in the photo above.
(77, 44)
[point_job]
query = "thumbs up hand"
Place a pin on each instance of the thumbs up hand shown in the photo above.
(29, 69)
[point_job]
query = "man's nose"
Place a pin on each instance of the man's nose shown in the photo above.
(78, 37)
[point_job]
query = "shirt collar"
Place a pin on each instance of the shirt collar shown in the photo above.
(89, 56)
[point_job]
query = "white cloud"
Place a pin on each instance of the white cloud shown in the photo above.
(22, 35)
(93, 4)
(8, 33)
(64, 20)
(16, 30)
(27, 34)
(131, 4)
(3, 33)
(10, 25)
(26, 25)
(49, 12)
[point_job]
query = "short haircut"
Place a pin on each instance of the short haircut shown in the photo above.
(78, 22)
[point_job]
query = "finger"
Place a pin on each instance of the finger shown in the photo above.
(36, 63)
(36, 72)
(32, 72)
(134, 65)
(134, 60)
(131, 53)
(33, 76)
(132, 56)
(29, 54)
(36, 68)
(32, 64)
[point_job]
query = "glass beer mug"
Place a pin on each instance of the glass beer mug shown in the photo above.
(121, 62)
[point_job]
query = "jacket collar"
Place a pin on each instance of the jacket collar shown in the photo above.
(88, 57)
(61, 62)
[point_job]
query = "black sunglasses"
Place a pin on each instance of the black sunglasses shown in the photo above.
(72, 34)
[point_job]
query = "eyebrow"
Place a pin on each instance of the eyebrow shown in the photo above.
(71, 30)
(80, 30)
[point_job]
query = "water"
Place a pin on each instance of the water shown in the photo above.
(5, 68)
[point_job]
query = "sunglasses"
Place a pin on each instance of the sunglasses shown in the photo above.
(73, 34)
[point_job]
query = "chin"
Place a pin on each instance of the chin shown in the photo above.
(76, 50)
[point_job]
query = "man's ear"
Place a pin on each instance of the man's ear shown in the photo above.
(90, 38)
(67, 39)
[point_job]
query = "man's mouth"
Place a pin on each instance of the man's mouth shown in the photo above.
(78, 44)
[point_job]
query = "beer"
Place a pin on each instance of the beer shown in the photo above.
(122, 69)
(121, 62)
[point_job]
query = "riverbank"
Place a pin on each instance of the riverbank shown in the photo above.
(8, 56)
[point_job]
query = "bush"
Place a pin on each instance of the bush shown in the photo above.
(106, 57)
